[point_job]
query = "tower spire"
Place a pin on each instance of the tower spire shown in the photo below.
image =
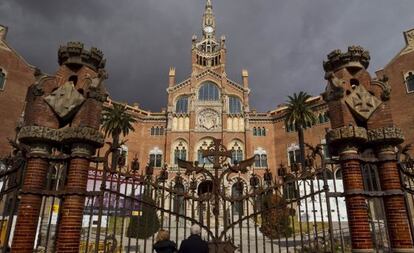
(209, 21)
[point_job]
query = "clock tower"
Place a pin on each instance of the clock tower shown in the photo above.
(208, 52)
(209, 21)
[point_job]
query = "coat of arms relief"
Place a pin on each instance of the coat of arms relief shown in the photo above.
(208, 119)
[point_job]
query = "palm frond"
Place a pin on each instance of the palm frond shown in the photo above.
(116, 120)
(299, 111)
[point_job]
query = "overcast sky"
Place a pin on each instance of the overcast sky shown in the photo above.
(281, 42)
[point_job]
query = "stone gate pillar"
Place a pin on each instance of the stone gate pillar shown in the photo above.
(83, 137)
(61, 111)
(30, 203)
(345, 73)
(385, 139)
(347, 141)
(39, 122)
(359, 102)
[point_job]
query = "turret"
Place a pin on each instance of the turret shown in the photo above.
(245, 78)
(74, 54)
(171, 77)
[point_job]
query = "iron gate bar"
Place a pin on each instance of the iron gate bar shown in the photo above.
(124, 187)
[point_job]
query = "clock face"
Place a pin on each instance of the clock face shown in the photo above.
(208, 29)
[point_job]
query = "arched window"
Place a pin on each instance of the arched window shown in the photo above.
(288, 128)
(208, 92)
(290, 189)
(236, 152)
(157, 130)
(409, 81)
(235, 105)
(371, 177)
(205, 187)
(180, 152)
(123, 156)
(182, 105)
(179, 199)
(338, 174)
(263, 131)
(260, 158)
(293, 154)
(204, 146)
(237, 192)
(2, 79)
(321, 118)
(254, 131)
(155, 157)
(326, 117)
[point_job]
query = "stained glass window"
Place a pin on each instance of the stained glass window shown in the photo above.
(208, 92)
(2, 79)
(234, 105)
(410, 82)
(182, 105)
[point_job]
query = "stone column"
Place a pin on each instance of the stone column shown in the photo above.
(385, 140)
(30, 202)
(68, 236)
(347, 140)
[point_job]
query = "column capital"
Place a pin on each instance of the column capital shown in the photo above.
(84, 150)
(385, 135)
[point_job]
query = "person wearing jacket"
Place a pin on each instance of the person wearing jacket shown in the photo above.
(163, 243)
(194, 243)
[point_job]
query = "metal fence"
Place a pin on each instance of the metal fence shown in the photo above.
(302, 209)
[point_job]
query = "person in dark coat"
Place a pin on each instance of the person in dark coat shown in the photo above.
(163, 243)
(194, 243)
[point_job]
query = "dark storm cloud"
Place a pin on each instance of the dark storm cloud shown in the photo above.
(281, 43)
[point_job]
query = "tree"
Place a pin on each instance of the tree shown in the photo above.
(116, 121)
(275, 216)
(299, 113)
(147, 223)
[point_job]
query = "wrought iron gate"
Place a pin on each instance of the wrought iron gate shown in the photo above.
(302, 209)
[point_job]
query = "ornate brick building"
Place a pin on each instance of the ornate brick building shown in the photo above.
(209, 104)
(16, 75)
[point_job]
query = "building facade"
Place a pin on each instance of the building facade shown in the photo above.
(208, 104)
(16, 75)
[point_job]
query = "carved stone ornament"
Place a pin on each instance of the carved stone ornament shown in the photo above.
(68, 134)
(346, 134)
(334, 90)
(208, 119)
(409, 37)
(361, 102)
(386, 135)
(65, 100)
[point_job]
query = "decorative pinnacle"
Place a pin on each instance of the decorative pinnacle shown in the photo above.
(209, 4)
(73, 53)
(356, 56)
(172, 71)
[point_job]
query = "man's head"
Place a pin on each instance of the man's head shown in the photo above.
(195, 229)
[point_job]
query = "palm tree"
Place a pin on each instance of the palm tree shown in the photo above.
(116, 121)
(299, 113)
